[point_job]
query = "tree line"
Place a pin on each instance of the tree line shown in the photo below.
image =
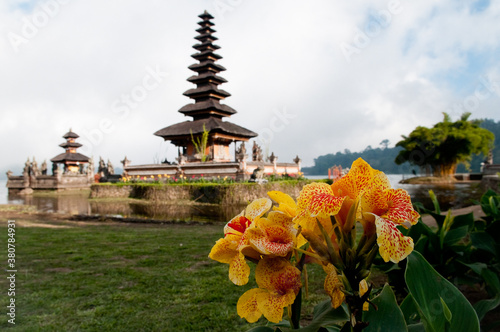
(462, 146)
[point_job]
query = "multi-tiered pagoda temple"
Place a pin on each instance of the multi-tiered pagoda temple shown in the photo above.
(207, 111)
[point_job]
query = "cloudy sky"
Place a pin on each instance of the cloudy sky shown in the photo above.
(311, 77)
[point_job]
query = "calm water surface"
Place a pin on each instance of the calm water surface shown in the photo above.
(450, 196)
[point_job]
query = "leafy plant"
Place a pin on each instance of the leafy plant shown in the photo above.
(465, 251)
(342, 227)
(200, 144)
(446, 144)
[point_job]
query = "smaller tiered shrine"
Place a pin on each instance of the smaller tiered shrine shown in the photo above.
(72, 161)
(77, 171)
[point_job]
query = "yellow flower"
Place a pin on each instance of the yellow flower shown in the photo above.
(234, 246)
(333, 286)
(279, 283)
(380, 209)
(363, 288)
(274, 235)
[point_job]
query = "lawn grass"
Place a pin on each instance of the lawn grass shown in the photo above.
(125, 277)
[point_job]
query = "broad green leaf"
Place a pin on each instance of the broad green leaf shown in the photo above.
(422, 244)
(388, 317)
(484, 241)
(476, 267)
(483, 306)
(410, 310)
(427, 288)
(326, 316)
(463, 220)
(455, 235)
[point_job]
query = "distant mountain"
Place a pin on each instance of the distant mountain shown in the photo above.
(379, 158)
(383, 158)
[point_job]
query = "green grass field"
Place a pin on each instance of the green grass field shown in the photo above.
(125, 277)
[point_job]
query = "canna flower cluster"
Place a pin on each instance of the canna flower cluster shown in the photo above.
(268, 241)
(322, 225)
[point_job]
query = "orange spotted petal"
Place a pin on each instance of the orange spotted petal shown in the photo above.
(257, 208)
(282, 219)
(400, 209)
(333, 286)
(239, 271)
(393, 246)
(356, 181)
(318, 199)
(271, 304)
(247, 305)
(237, 225)
(272, 240)
(277, 275)
(223, 251)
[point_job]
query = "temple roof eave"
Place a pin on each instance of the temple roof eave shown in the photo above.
(76, 157)
(196, 127)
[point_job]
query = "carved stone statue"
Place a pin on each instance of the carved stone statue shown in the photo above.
(273, 158)
(126, 162)
(110, 168)
(90, 167)
(241, 152)
(34, 168)
(102, 167)
(27, 168)
(257, 174)
(44, 168)
(256, 152)
(55, 169)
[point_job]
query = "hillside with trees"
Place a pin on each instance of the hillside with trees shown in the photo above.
(383, 157)
(438, 150)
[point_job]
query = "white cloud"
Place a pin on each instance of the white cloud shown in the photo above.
(279, 55)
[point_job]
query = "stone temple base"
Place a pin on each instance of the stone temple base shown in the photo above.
(209, 170)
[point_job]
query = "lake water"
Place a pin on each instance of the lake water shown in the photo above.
(450, 196)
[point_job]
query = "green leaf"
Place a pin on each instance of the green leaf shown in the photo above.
(428, 288)
(455, 235)
(435, 202)
(446, 310)
(463, 220)
(326, 316)
(410, 310)
(484, 241)
(483, 306)
(388, 316)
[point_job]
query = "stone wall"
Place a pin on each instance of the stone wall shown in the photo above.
(226, 194)
(490, 182)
